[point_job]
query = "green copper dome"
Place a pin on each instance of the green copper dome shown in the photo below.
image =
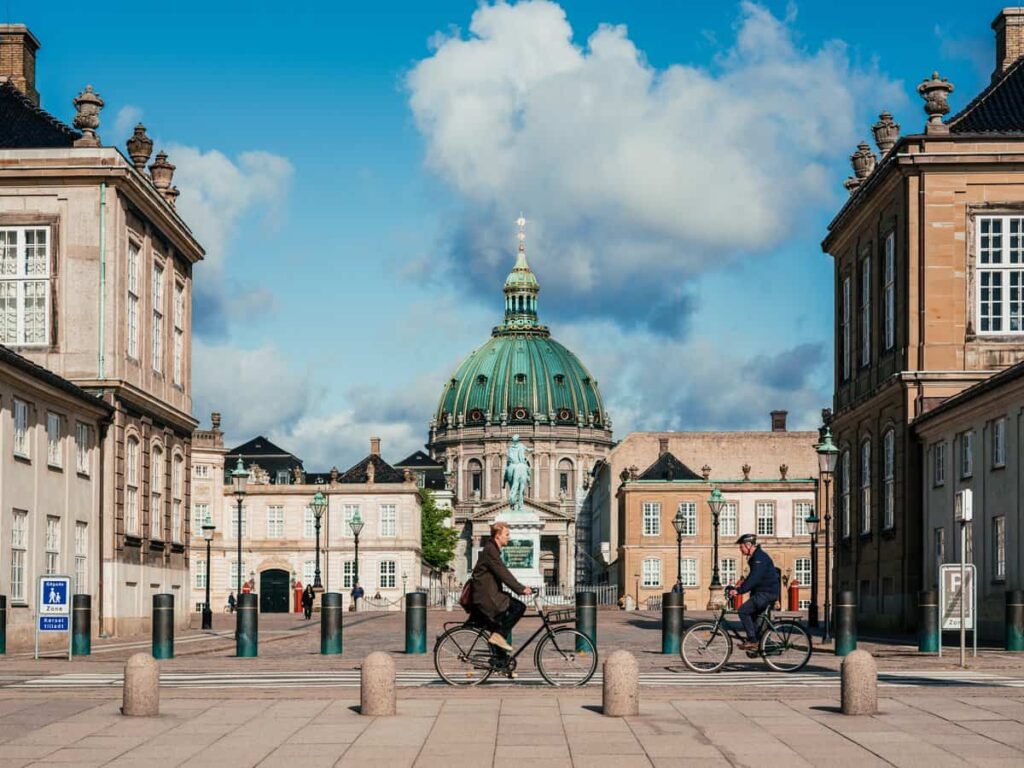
(521, 374)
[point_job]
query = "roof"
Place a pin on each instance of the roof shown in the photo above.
(418, 460)
(1005, 376)
(668, 467)
(382, 472)
(270, 458)
(23, 125)
(997, 109)
(45, 375)
(259, 446)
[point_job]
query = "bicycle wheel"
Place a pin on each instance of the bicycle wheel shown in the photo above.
(786, 647)
(462, 656)
(705, 648)
(560, 663)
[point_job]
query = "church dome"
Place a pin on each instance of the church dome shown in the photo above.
(521, 374)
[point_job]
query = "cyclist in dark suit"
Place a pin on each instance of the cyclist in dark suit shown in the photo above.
(761, 582)
(492, 607)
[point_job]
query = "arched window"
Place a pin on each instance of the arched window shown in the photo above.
(566, 478)
(156, 486)
(177, 494)
(131, 495)
(475, 479)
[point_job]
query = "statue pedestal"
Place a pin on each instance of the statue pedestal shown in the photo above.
(522, 553)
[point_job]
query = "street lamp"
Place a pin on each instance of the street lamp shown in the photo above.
(239, 478)
(678, 523)
(828, 456)
(208, 530)
(715, 502)
(356, 524)
(812, 610)
(319, 506)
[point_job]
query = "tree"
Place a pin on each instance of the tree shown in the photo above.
(438, 540)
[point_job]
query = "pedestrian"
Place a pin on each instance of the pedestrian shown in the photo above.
(356, 595)
(308, 596)
(231, 602)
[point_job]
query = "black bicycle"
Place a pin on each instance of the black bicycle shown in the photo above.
(564, 657)
(784, 645)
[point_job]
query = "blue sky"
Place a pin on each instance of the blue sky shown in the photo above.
(355, 173)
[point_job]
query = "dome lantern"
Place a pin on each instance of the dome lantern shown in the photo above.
(521, 288)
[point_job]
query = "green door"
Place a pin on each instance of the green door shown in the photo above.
(274, 590)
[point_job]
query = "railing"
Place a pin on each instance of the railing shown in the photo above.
(380, 604)
(654, 603)
(606, 594)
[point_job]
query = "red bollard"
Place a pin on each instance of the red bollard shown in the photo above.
(298, 597)
(737, 601)
(794, 595)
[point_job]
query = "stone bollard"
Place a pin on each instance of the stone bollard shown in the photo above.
(141, 687)
(859, 684)
(377, 685)
(620, 694)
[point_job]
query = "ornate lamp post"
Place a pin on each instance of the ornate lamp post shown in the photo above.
(319, 506)
(828, 457)
(678, 523)
(812, 611)
(715, 502)
(356, 524)
(208, 529)
(239, 478)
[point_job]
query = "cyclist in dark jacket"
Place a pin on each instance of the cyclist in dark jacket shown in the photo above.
(762, 582)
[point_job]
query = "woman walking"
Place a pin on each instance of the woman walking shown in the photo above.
(308, 596)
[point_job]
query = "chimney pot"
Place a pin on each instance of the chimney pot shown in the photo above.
(779, 421)
(215, 419)
(1009, 28)
(375, 446)
(18, 48)
(662, 446)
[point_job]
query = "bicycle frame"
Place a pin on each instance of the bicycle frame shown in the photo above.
(765, 624)
(544, 628)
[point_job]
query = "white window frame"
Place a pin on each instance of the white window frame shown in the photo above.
(275, 521)
(308, 572)
(765, 517)
(348, 512)
(19, 286)
(132, 309)
(966, 440)
(81, 557)
(158, 316)
(728, 519)
(201, 471)
(727, 574)
(802, 566)
(54, 453)
(177, 494)
(846, 483)
(388, 521)
(865, 486)
(651, 518)
(999, 548)
(233, 520)
(999, 275)
(999, 443)
(199, 581)
(131, 494)
(179, 333)
(156, 487)
(865, 311)
(200, 517)
(308, 524)
(387, 570)
(22, 444)
(890, 291)
(348, 574)
(889, 480)
(939, 463)
(83, 444)
(52, 545)
(845, 329)
(19, 556)
(650, 573)
(688, 510)
(801, 511)
(689, 572)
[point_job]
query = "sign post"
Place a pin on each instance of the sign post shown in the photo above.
(957, 601)
(54, 608)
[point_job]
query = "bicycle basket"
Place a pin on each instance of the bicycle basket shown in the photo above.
(564, 616)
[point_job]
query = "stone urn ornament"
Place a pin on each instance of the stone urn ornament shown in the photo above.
(162, 171)
(935, 92)
(87, 118)
(140, 147)
(863, 161)
(887, 133)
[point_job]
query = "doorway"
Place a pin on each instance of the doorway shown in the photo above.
(274, 588)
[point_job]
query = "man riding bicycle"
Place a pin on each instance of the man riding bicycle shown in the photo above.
(493, 608)
(761, 582)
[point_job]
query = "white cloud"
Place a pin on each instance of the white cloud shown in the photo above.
(124, 122)
(636, 178)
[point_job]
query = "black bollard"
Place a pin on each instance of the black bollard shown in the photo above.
(248, 625)
(671, 621)
(416, 622)
(163, 626)
(928, 618)
(846, 623)
(330, 623)
(3, 624)
(1015, 619)
(586, 617)
(81, 625)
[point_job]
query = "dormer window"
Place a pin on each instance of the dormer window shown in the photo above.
(481, 380)
(559, 378)
(520, 378)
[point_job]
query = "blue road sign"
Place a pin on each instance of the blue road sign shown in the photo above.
(54, 597)
(53, 623)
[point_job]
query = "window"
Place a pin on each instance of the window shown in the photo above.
(177, 492)
(966, 454)
(131, 493)
(802, 571)
(308, 524)
(179, 332)
(19, 542)
(940, 549)
(156, 486)
(348, 570)
(865, 311)
(727, 519)
(82, 446)
(890, 291)
(388, 520)
(688, 511)
(21, 442)
(801, 511)
(133, 301)
(889, 480)
(845, 479)
(53, 453)
(689, 572)
(563, 482)
(200, 574)
(275, 522)
(765, 518)
(652, 572)
(308, 572)
(865, 487)
(1000, 274)
(652, 518)
(81, 558)
(999, 548)
(236, 574)
(939, 464)
(999, 443)
(349, 511)
(846, 328)
(201, 471)
(727, 570)
(200, 517)
(24, 286)
(233, 516)
(387, 574)
(158, 317)
(283, 477)
(52, 545)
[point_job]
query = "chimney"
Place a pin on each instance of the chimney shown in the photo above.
(779, 421)
(1009, 27)
(375, 446)
(662, 446)
(18, 49)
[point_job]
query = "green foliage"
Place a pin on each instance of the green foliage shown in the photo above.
(438, 541)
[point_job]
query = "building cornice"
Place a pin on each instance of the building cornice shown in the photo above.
(141, 400)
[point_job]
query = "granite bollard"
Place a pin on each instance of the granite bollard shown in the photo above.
(620, 695)
(377, 694)
(141, 686)
(859, 684)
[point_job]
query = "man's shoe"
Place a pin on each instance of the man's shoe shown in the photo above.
(499, 642)
(748, 645)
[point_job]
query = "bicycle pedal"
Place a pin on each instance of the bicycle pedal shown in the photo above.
(751, 654)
